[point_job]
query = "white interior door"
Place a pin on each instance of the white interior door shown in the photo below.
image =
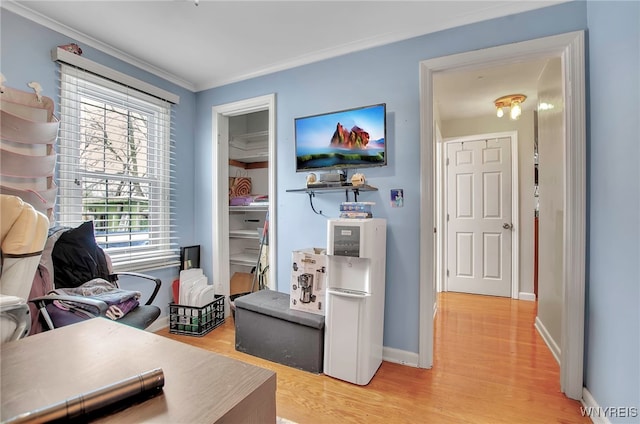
(479, 227)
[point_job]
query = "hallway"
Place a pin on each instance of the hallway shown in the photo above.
(487, 347)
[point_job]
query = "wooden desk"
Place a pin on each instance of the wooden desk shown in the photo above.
(200, 386)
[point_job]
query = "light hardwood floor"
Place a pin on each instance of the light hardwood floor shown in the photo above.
(491, 366)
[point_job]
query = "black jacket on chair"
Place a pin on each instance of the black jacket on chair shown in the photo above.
(77, 258)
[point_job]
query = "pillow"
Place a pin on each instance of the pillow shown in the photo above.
(77, 258)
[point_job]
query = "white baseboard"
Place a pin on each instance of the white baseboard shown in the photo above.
(527, 296)
(588, 402)
(388, 354)
(553, 346)
(401, 357)
(159, 324)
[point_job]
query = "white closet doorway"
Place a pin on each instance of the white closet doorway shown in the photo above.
(255, 142)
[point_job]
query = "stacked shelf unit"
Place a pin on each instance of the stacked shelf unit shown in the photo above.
(248, 156)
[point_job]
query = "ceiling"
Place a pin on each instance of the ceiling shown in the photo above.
(201, 44)
(471, 92)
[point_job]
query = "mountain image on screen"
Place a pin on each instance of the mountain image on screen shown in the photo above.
(357, 138)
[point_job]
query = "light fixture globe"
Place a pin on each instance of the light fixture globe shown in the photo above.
(516, 111)
(512, 101)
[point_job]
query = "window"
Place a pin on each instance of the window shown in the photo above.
(114, 161)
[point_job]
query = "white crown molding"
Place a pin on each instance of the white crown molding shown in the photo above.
(47, 22)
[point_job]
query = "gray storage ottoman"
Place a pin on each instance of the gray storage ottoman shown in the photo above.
(266, 327)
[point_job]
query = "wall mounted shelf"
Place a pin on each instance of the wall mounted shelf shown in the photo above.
(311, 191)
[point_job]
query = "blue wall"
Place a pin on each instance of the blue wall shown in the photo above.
(390, 74)
(613, 314)
(26, 56)
(387, 74)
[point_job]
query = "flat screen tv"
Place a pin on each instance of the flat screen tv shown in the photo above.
(346, 139)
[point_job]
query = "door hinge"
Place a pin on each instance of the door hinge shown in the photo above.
(447, 217)
(447, 161)
(434, 230)
(447, 273)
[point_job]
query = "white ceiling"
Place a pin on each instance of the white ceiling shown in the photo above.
(472, 93)
(218, 42)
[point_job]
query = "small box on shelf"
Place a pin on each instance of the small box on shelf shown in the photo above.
(356, 215)
(356, 206)
(356, 210)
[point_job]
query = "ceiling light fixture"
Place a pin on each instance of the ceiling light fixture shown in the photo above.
(513, 102)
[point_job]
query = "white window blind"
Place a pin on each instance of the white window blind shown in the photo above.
(114, 168)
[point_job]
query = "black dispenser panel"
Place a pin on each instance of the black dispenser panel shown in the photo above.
(346, 241)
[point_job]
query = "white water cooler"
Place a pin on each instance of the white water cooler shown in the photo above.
(354, 317)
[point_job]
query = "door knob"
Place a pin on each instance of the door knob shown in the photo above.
(507, 226)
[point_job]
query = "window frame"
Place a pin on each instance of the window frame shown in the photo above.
(77, 84)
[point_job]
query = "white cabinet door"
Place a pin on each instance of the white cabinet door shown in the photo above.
(342, 321)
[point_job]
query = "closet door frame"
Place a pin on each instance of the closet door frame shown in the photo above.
(220, 188)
